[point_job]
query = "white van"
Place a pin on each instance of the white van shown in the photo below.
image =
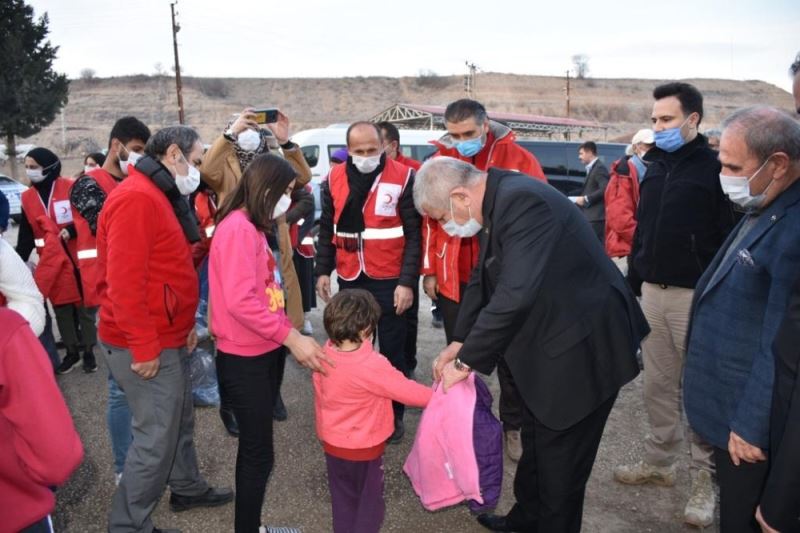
(318, 145)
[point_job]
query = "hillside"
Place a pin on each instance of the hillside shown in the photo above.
(623, 104)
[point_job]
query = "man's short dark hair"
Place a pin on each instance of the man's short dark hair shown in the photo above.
(690, 98)
(794, 69)
(589, 146)
(350, 312)
(461, 110)
(354, 125)
(128, 128)
(390, 132)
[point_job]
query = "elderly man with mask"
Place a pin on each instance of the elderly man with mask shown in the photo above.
(148, 299)
(540, 261)
(370, 234)
(739, 303)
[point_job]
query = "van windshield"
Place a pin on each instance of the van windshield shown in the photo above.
(311, 154)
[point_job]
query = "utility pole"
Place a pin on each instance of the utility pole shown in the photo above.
(175, 29)
(469, 79)
(567, 93)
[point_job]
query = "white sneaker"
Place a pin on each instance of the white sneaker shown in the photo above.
(514, 444)
(308, 329)
(699, 510)
(117, 478)
(264, 529)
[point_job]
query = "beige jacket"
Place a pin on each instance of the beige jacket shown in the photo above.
(221, 172)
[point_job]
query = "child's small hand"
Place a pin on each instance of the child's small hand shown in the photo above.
(445, 356)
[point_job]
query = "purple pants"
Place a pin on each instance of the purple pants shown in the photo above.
(356, 494)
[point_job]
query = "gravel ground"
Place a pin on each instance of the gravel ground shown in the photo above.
(297, 492)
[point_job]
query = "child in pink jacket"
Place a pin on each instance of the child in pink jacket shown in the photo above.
(353, 406)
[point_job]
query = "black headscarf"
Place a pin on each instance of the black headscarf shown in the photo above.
(51, 169)
(352, 218)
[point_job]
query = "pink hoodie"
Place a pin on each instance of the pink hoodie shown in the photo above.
(245, 300)
(354, 401)
(442, 465)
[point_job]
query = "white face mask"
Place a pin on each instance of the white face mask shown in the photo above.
(468, 229)
(133, 157)
(35, 175)
(282, 206)
(249, 140)
(187, 184)
(365, 165)
(88, 169)
(738, 189)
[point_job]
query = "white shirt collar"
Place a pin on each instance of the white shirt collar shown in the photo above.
(590, 165)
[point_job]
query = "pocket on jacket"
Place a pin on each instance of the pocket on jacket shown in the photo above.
(567, 338)
(170, 303)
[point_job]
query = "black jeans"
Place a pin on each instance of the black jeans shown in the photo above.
(251, 384)
(392, 328)
(551, 477)
(740, 490)
(449, 310)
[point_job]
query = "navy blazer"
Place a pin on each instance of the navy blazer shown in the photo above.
(729, 370)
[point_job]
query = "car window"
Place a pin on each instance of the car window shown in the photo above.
(420, 153)
(332, 148)
(311, 154)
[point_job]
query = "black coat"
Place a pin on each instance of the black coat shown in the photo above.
(595, 190)
(547, 298)
(780, 502)
(683, 217)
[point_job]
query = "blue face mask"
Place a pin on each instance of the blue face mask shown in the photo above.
(671, 139)
(471, 147)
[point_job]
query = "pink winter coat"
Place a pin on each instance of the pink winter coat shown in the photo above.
(442, 466)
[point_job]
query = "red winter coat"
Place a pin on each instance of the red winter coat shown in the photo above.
(55, 273)
(451, 259)
(622, 200)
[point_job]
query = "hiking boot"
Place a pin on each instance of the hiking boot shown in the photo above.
(69, 362)
(641, 473)
(89, 362)
(699, 510)
(513, 444)
(229, 421)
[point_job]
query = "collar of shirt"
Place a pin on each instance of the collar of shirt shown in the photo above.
(590, 165)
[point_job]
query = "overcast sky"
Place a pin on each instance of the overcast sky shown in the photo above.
(731, 39)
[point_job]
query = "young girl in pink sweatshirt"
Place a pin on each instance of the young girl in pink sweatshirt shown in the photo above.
(353, 404)
(247, 318)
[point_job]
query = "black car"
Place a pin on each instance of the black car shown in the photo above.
(559, 160)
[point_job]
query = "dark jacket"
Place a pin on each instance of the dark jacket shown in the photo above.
(547, 298)
(683, 216)
(326, 250)
(780, 502)
(594, 189)
(738, 305)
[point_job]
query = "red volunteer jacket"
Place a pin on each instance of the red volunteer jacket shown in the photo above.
(407, 161)
(39, 447)
(381, 256)
(206, 209)
(149, 288)
(58, 209)
(451, 259)
(622, 200)
(55, 273)
(87, 242)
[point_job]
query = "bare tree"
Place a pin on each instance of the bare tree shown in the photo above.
(581, 63)
(88, 74)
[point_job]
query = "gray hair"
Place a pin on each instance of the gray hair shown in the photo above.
(766, 130)
(183, 136)
(438, 177)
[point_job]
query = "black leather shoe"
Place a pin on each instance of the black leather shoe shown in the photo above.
(496, 522)
(210, 498)
(399, 431)
(229, 420)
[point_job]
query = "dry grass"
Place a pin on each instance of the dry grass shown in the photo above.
(623, 104)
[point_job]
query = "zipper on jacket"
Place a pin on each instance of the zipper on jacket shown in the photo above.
(695, 253)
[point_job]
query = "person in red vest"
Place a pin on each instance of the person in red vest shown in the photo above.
(369, 233)
(48, 197)
(448, 260)
(126, 144)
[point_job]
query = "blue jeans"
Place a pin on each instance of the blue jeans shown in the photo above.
(119, 423)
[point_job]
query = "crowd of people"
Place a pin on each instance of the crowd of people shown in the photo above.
(680, 259)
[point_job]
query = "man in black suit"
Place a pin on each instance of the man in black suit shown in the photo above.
(545, 297)
(592, 197)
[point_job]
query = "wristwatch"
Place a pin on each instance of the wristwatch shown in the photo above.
(460, 366)
(230, 135)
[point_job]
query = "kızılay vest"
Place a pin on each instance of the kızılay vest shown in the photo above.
(58, 209)
(87, 245)
(381, 244)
